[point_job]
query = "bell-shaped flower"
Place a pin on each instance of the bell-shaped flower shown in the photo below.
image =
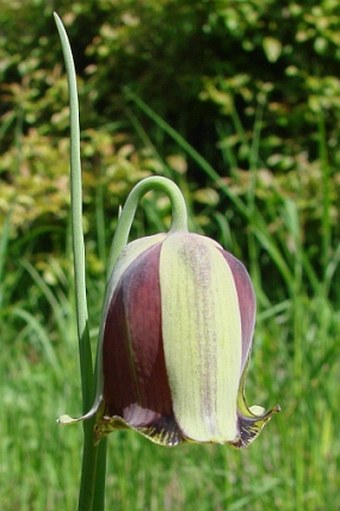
(177, 336)
(175, 342)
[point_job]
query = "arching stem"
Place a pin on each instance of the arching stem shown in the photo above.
(179, 213)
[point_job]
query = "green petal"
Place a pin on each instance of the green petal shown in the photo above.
(202, 337)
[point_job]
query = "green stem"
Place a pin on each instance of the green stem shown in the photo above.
(76, 220)
(179, 213)
(256, 221)
(92, 479)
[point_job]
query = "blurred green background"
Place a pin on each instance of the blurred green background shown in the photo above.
(239, 103)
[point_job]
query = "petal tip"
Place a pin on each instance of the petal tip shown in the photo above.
(65, 420)
(251, 424)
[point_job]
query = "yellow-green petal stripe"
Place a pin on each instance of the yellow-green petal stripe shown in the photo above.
(201, 328)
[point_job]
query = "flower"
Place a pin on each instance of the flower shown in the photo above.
(175, 336)
(175, 342)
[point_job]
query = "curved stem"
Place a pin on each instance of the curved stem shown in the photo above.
(179, 213)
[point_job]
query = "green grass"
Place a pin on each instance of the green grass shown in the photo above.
(295, 463)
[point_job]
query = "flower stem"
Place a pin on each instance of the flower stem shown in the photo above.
(91, 494)
(179, 212)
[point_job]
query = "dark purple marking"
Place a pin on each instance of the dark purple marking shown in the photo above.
(247, 302)
(135, 380)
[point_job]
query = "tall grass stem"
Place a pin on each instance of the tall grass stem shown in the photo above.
(89, 485)
(326, 202)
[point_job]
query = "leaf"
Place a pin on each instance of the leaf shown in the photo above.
(272, 48)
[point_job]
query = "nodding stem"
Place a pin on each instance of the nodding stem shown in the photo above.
(127, 214)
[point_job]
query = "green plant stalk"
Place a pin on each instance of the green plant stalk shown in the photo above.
(257, 222)
(179, 213)
(93, 466)
(100, 221)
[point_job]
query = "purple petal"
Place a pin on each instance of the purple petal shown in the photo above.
(136, 387)
(247, 302)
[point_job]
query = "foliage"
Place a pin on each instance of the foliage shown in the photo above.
(295, 362)
(214, 71)
(245, 104)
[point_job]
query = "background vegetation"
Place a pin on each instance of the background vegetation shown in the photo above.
(239, 103)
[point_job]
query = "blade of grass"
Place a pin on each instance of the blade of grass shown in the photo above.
(77, 223)
(57, 307)
(251, 194)
(91, 495)
(100, 220)
(41, 336)
(4, 238)
(326, 202)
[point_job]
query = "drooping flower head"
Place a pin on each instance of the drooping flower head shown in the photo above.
(176, 337)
